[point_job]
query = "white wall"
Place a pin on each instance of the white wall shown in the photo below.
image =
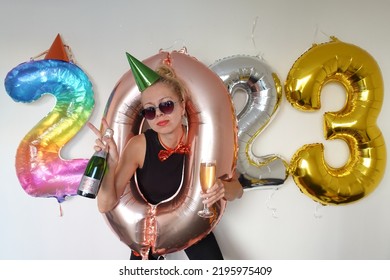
(264, 224)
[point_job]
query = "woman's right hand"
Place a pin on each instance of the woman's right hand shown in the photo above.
(105, 143)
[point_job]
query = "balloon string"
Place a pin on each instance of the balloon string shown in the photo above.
(168, 60)
(271, 208)
(315, 37)
(61, 212)
(38, 55)
(316, 212)
(182, 50)
(253, 37)
(70, 54)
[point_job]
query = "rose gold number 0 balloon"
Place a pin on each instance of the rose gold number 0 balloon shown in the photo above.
(174, 225)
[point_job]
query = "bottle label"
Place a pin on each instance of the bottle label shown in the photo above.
(89, 185)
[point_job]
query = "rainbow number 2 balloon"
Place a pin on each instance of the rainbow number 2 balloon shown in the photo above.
(355, 123)
(39, 167)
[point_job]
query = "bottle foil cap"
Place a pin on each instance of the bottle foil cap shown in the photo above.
(108, 133)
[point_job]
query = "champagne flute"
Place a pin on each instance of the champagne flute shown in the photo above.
(207, 180)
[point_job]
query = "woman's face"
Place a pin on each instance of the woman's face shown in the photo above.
(157, 94)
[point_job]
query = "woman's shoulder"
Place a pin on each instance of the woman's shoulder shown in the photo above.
(138, 140)
(135, 150)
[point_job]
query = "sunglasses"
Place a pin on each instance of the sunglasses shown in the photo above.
(165, 107)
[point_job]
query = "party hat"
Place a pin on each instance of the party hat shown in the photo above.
(57, 50)
(143, 75)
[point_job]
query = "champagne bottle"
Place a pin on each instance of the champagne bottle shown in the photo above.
(94, 172)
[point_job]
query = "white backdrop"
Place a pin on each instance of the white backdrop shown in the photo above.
(264, 224)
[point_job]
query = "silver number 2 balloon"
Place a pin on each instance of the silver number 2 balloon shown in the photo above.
(249, 74)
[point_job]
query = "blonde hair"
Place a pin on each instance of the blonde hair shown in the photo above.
(169, 78)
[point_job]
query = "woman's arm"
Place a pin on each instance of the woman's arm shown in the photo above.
(233, 188)
(223, 189)
(117, 179)
(120, 169)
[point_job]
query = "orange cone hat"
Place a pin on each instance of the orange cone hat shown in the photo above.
(57, 50)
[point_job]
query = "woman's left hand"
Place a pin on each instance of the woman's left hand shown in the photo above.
(214, 194)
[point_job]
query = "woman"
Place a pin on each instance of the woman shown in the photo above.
(158, 173)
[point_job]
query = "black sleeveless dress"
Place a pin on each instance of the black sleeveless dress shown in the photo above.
(159, 181)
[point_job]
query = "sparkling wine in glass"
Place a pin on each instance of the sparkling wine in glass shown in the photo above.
(207, 180)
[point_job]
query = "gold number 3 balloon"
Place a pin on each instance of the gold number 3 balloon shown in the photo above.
(355, 123)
